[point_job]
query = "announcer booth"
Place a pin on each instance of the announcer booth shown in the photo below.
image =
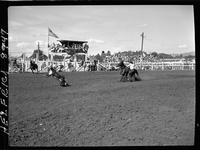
(74, 51)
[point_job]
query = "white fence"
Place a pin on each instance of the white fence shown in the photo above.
(157, 65)
(166, 66)
(42, 66)
(75, 66)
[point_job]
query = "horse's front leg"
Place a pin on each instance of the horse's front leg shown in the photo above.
(122, 77)
(126, 77)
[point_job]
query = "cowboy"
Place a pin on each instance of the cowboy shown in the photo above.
(131, 65)
(133, 71)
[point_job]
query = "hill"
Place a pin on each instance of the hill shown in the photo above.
(188, 53)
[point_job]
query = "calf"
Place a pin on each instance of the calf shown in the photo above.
(52, 72)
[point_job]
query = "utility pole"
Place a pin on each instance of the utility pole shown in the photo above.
(141, 57)
(142, 41)
(38, 51)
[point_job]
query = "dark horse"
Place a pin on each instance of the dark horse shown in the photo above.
(52, 72)
(126, 72)
(133, 75)
(33, 66)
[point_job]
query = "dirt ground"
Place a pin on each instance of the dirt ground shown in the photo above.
(98, 110)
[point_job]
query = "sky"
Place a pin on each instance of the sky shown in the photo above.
(167, 28)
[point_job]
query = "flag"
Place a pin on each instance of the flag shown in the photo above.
(50, 33)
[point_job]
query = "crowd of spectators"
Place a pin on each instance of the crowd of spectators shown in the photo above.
(56, 48)
(59, 48)
(138, 57)
(131, 58)
(146, 61)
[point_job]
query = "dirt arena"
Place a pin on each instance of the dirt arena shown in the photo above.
(98, 110)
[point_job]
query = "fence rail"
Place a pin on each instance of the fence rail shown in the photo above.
(166, 66)
(107, 66)
(158, 65)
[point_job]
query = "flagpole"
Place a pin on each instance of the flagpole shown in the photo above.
(50, 33)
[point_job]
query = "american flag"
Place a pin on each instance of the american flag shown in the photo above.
(50, 33)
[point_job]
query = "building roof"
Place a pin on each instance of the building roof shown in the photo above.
(71, 41)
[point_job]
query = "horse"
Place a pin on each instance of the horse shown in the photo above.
(126, 72)
(52, 72)
(33, 66)
(132, 76)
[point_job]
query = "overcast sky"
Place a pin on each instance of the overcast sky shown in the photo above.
(167, 28)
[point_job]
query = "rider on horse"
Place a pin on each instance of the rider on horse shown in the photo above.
(128, 71)
(33, 66)
(132, 71)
